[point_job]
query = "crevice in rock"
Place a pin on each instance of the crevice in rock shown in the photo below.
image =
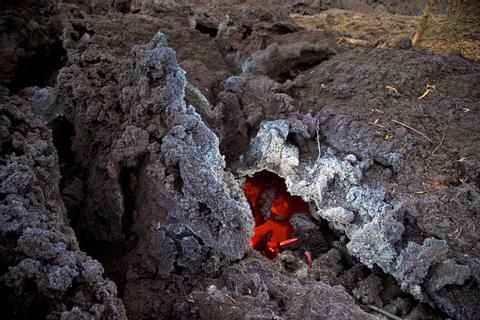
(178, 183)
(63, 132)
(122, 6)
(412, 232)
(283, 28)
(308, 60)
(71, 186)
(80, 31)
(247, 33)
(6, 147)
(127, 183)
(40, 68)
(308, 150)
(292, 139)
(211, 31)
(112, 253)
(13, 305)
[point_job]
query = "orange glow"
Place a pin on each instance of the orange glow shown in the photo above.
(266, 191)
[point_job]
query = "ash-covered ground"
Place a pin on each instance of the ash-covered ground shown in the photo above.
(128, 129)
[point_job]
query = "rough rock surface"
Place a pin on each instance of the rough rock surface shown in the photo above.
(160, 179)
(381, 226)
(257, 289)
(174, 212)
(30, 46)
(43, 272)
(152, 185)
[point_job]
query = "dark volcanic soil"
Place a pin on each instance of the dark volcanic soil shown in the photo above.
(127, 131)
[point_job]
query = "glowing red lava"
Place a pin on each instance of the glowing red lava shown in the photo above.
(272, 206)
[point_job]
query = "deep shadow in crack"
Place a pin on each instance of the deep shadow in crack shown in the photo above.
(63, 133)
(80, 30)
(127, 183)
(13, 305)
(212, 32)
(307, 61)
(41, 68)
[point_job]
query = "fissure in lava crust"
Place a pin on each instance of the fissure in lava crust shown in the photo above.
(272, 207)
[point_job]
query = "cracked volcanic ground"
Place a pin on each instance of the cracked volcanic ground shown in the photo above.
(235, 160)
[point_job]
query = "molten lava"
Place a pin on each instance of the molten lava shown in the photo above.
(272, 206)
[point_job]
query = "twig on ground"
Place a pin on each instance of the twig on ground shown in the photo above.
(229, 297)
(318, 140)
(394, 189)
(429, 88)
(471, 227)
(441, 141)
(392, 89)
(414, 130)
(275, 317)
(457, 232)
(189, 298)
(375, 123)
(385, 313)
(462, 159)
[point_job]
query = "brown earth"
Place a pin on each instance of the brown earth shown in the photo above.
(443, 35)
